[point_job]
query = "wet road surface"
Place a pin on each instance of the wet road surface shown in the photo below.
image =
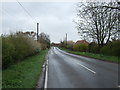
(72, 71)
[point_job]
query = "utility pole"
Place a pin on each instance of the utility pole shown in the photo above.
(66, 40)
(37, 30)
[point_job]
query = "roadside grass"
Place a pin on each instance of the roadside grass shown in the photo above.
(96, 56)
(25, 73)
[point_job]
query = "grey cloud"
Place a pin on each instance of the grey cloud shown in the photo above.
(55, 18)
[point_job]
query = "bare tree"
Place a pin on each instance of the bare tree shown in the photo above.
(97, 21)
(44, 39)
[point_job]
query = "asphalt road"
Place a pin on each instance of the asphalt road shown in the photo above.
(72, 71)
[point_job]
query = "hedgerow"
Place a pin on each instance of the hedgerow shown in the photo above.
(16, 47)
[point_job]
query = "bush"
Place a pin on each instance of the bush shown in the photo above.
(112, 48)
(76, 47)
(8, 52)
(63, 44)
(93, 47)
(80, 47)
(16, 47)
(43, 46)
(116, 48)
(70, 47)
(0, 52)
(83, 47)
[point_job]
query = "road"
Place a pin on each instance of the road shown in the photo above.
(72, 71)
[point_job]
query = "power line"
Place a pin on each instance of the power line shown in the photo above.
(30, 16)
(5, 11)
(26, 11)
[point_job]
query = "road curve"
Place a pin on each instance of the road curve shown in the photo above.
(67, 70)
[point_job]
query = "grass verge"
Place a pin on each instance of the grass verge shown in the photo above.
(96, 56)
(23, 74)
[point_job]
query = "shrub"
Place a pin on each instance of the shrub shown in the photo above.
(43, 46)
(112, 48)
(80, 47)
(16, 47)
(83, 47)
(70, 45)
(7, 52)
(93, 47)
(116, 48)
(44, 39)
(0, 52)
(63, 44)
(76, 47)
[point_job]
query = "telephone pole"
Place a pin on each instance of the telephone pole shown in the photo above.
(66, 40)
(37, 30)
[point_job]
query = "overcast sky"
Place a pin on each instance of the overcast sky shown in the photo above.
(55, 18)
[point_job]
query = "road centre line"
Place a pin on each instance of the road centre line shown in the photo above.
(87, 68)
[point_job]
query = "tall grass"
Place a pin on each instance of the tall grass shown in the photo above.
(24, 74)
(16, 47)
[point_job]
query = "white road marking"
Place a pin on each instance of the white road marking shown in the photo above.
(87, 68)
(118, 86)
(46, 76)
(84, 66)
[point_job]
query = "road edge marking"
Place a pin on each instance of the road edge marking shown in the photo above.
(87, 68)
(118, 86)
(46, 76)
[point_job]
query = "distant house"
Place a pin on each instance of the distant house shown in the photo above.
(82, 42)
(55, 44)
